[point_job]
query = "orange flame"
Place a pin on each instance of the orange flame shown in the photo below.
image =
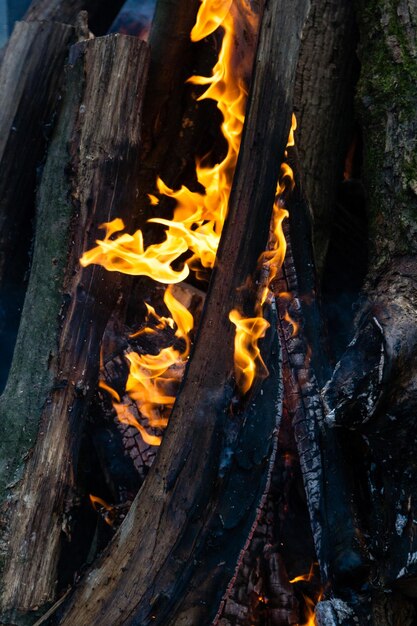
(248, 358)
(246, 339)
(198, 218)
(310, 604)
(99, 505)
(154, 378)
(196, 225)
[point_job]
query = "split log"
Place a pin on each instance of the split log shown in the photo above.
(101, 13)
(181, 540)
(30, 79)
(326, 75)
(93, 160)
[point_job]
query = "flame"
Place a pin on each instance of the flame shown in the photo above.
(247, 353)
(195, 228)
(248, 359)
(310, 604)
(198, 217)
(154, 378)
(310, 610)
(304, 577)
(99, 504)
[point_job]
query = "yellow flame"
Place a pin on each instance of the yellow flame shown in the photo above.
(248, 357)
(125, 416)
(198, 217)
(154, 378)
(246, 338)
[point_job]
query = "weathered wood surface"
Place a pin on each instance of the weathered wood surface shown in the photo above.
(92, 161)
(371, 397)
(151, 572)
(30, 79)
(101, 13)
(326, 75)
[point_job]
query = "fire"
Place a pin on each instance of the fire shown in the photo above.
(308, 602)
(248, 359)
(248, 331)
(106, 510)
(195, 229)
(198, 217)
(154, 378)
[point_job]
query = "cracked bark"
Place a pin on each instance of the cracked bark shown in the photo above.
(56, 359)
(326, 74)
(372, 395)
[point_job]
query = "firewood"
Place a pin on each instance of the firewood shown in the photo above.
(90, 175)
(30, 79)
(181, 541)
(326, 75)
(101, 13)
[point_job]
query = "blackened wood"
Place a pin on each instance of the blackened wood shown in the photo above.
(326, 75)
(92, 161)
(148, 574)
(30, 79)
(101, 13)
(373, 390)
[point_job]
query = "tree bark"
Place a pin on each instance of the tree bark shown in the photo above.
(30, 80)
(151, 572)
(101, 13)
(93, 159)
(372, 394)
(326, 75)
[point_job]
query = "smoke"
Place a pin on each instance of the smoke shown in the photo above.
(135, 18)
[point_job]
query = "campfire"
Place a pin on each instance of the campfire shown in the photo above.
(195, 424)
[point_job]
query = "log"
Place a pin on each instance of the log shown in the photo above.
(151, 571)
(93, 159)
(372, 392)
(30, 80)
(326, 75)
(101, 13)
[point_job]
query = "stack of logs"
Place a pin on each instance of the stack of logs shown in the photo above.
(211, 527)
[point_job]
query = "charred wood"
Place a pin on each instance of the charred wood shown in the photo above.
(93, 158)
(178, 513)
(371, 396)
(326, 75)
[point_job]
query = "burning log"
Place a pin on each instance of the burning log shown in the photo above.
(30, 79)
(101, 13)
(199, 500)
(92, 160)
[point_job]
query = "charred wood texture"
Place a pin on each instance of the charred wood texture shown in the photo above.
(371, 397)
(327, 72)
(173, 557)
(30, 79)
(101, 13)
(92, 160)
